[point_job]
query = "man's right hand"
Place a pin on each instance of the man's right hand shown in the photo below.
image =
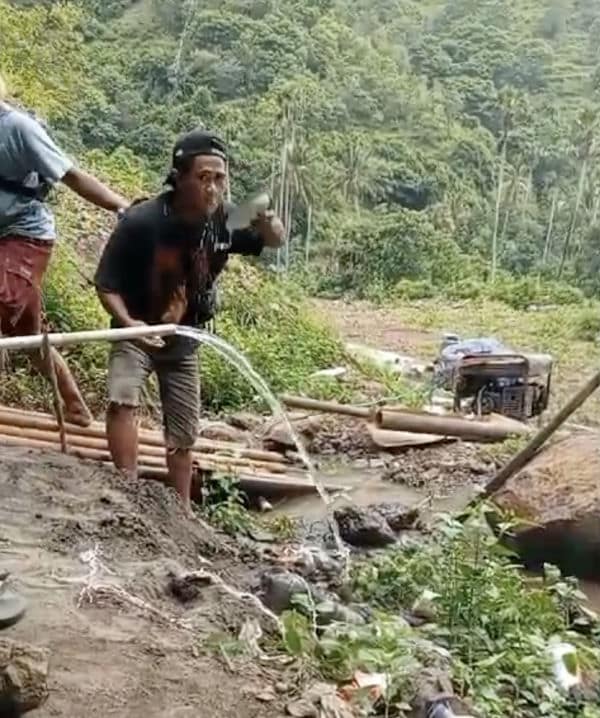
(150, 342)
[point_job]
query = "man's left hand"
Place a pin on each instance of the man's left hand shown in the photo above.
(270, 228)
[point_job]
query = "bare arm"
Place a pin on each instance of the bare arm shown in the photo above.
(115, 306)
(94, 191)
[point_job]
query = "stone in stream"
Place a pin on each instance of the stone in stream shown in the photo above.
(364, 527)
(557, 497)
(279, 588)
(398, 516)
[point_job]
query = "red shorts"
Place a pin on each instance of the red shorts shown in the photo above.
(23, 263)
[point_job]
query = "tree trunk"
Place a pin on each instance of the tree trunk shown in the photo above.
(497, 213)
(308, 234)
(573, 223)
(550, 227)
(512, 196)
(527, 193)
(595, 209)
(282, 181)
(288, 231)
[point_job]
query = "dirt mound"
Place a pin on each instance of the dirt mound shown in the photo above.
(94, 555)
(558, 498)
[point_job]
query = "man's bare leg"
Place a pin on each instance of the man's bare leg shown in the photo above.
(76, 410)
(122, 435)
(180, 465)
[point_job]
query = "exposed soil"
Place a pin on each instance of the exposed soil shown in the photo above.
(378, 328)
(440, 470)
(113, 654)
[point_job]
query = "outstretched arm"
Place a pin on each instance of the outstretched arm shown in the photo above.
(44, 156)
(92, 190)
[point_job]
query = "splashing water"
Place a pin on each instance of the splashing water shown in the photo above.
(238, 360)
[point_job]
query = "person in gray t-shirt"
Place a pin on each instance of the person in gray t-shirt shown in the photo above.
(30, 163)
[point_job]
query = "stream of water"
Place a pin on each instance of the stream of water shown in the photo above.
(238, 360)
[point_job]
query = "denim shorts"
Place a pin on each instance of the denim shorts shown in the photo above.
(129, 367)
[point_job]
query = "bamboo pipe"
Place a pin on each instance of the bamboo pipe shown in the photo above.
(157, 463)
(413, 421)
(328, 407)
(263, 485)
(147, 449)
(46, 422)
(85, 442)
(59, 339)
(443, 426)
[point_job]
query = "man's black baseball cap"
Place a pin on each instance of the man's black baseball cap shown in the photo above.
(194, 143)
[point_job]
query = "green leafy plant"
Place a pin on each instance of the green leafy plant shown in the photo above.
(225, 505)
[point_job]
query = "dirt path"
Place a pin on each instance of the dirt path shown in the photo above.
(109, 657)
(376, 327)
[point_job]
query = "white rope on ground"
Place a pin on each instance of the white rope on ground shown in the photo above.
(95, 586)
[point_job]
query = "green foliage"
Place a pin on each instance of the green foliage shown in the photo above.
(495, 625)
(416, 135)
(491, 626)
(42, 56)
(225, 505)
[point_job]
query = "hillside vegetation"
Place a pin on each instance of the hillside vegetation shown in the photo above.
(415, 149)
(441, 141)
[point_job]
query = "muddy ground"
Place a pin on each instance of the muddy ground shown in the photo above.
(108, 656)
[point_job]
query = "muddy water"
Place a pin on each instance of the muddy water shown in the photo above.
(365, 486)
(362, 487)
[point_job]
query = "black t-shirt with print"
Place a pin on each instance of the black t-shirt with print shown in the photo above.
(152, 257)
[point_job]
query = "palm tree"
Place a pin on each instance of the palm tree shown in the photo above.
(586, 130)
(510, 105)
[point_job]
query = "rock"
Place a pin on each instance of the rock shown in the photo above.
(557, 496)
(320, 701)
(245, 421)
(24, 673)
(435, 697)
(223, 432)
(332, 610)
(363, 527)
(301, 709)
(278, 435)
(186, 588)
(267, 696)
(398, 516)
(278, 589)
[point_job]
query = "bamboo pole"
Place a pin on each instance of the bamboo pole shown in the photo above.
(58, 408)
(155, 462)
(443, 426)
(46, 422)
(263, 485)
(88, 442)
(328, 407)
(417, 422)
(260, 483)
(62, 339)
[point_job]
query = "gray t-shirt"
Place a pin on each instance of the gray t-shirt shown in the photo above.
(27, 155)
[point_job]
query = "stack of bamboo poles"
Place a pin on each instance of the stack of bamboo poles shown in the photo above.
(258, 471)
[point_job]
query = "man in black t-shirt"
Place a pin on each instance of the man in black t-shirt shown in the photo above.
(160, 266)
